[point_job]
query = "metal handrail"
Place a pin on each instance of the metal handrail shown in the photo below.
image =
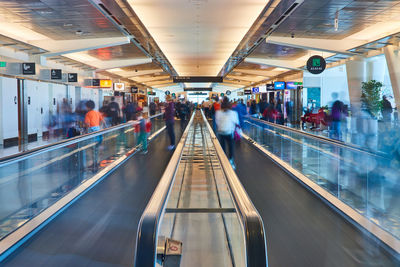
(67, 142)
(321, 138)
(147, 235)
(253, 226)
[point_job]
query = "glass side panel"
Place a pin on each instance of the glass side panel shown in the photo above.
(367, 182)
(30, 185)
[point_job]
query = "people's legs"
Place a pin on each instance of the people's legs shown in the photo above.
(171, 133)
(222, 141)
(229, 139)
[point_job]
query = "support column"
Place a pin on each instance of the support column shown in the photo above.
(356, 74)
(393, 62)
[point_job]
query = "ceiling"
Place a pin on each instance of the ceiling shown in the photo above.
(198, 36)
(146, 42)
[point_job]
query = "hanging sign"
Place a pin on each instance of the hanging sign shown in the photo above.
(197, 79)
(28, 68)
(167, 92)
(316, 64)
(119, 86)
(56, 74)
(247, 92)
(72, 77)
(256, 90)
(228, 92)
(134, 90)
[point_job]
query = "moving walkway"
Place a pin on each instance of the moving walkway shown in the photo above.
(199, 214)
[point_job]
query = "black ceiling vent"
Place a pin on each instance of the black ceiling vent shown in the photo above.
(105, 9)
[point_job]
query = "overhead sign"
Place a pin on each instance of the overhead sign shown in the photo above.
(270, 87)
(134, 90)
(198, 93)
(197, 79)
(96, 82)
(72, 77)
(279, 85)
(197, 89)
(119, 87)
(228, 92)
(28, 68)
(3, 64)
(316, 64)
(222, 94)
(151, 93)
(256, 90)
(167, 92)
(106, 83)
(247, 92)
(56, 74)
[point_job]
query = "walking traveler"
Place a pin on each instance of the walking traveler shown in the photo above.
(170, 121)
(227, 120)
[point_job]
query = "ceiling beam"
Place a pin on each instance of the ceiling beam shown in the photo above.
(104, 65)
(323, 45)
(277, 63)
(133, 74)
(244, 78)
(57, 48)
(264, 73)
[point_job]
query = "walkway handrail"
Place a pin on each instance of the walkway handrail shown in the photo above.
(149, 225)
(321, 138)
(66, 142)
(253, 226)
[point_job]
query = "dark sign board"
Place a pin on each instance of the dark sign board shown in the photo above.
(247, 92)
(197, 79)
(316, 64)
(279, 85)
(270, 87)
(167, 92)
(72, 77)
(134, 90)
(197, 89)
(228, 92)
(198, 93)
(95, 82)
(28, 68)
(151, 93)
(56, 74)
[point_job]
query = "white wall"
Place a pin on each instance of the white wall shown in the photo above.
(8, 108)
(330, 81)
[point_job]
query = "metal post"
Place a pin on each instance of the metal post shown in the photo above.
(22, 115)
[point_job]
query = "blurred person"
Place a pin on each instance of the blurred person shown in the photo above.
(130, 111)
(105, 112)
(337, 114)
(182, 112)
(214, 108)
(144, 129)
(206, 106)
(93, 120)
(386, 110)
(152, 108)
(227, 120)
(170, 121)
(115, 111)
(262, 106)
(253, 109)
(242, 112)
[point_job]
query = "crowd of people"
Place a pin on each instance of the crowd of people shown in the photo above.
(67, 123)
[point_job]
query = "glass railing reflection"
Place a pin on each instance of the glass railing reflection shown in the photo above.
(30, 184)
(368, 182)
